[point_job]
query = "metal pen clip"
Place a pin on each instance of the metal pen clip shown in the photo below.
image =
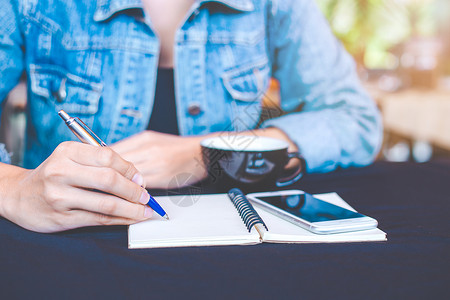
(91, 133)
(81, 130)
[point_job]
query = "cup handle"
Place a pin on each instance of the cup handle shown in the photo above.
(297, 174)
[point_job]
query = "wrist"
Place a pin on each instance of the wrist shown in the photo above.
(8, 184)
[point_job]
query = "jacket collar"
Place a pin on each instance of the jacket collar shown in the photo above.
(242, 5)
(107, 8)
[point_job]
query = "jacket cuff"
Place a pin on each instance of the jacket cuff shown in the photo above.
(5, 157)
(314, 138)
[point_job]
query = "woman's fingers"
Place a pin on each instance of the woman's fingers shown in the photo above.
(108, 205)
(93, 156)
(77, 218)
(61, 193)
(109, 181)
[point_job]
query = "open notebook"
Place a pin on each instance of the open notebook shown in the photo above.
(213, 220)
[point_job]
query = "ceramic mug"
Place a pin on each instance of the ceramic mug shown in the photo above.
(251, 159)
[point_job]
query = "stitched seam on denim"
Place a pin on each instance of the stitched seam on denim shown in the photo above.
(59, 71)
(130, 44)
(235, 74)
(43, 22)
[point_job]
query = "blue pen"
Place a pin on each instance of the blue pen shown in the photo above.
(87, 136)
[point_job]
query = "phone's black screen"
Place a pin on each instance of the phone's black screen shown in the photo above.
(311, 209)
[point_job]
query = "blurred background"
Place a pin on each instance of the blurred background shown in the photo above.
(402, 50)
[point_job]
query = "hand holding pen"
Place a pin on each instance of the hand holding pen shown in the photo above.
(76, 186)
(87, 136)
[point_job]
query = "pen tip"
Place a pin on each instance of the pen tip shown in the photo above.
(166, 217)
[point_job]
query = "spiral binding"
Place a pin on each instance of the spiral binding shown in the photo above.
(245, 208)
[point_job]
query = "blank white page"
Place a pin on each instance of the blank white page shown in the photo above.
(212, 220)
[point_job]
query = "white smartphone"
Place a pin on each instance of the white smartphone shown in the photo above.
(315, 215)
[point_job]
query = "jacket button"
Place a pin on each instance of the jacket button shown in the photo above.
(194, 109)
(62, 93)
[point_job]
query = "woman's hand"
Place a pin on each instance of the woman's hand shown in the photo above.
(170, 161)
(78, 185)
(166, 161)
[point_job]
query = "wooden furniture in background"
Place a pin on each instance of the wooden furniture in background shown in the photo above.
(420, 115)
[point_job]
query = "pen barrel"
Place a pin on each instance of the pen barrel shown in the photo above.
(81, 130)
(156, 207)
(83, 135)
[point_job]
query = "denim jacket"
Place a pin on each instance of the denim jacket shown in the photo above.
(98, 60)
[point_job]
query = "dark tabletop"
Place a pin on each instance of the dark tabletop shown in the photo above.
(410, 201)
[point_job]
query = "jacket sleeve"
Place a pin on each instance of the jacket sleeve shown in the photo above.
(11, 55)
(329, 116)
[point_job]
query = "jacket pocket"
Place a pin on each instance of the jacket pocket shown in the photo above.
(247, 83)
(64, 90)
(245, 86)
